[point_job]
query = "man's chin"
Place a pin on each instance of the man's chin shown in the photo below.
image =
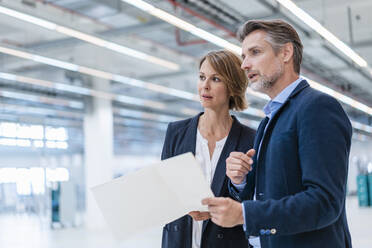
(255, 86)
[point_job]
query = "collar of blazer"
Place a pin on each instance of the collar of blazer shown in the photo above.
(302, 85)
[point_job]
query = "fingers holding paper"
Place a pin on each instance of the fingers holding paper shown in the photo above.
(224, 211)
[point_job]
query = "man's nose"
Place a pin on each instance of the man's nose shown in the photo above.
(246, 64)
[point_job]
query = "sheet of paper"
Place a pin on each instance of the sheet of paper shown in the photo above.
(153, 196)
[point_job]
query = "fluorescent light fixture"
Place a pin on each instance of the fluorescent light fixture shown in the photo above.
(42, 99)
(178, 22)
(142, 102)
(28, 18)
(227, 45)
(306, 18)
(345, 99)
(10, 108)
(89, 38)
(146, 115)
(54, 62)
(361, 126)
(79, 90)
(16, 53)
(142, 84)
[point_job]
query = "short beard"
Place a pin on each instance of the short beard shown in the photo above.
(265, 83)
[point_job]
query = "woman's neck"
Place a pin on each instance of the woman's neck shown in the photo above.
(215, 124)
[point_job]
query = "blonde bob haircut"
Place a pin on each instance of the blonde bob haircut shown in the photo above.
(227, 65)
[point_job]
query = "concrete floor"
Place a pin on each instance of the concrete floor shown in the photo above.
(23, 231)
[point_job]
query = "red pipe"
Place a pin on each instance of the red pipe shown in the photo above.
(73, 12)
(176, 4)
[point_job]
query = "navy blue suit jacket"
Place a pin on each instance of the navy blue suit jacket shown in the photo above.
(300, 175)
(180, 138)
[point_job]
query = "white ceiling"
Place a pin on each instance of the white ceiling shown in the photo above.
(118, 22)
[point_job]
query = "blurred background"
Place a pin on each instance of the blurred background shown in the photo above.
(87, 88)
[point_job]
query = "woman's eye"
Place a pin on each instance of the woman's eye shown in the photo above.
(216, 79)
(201, 77)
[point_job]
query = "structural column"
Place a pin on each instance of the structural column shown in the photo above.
(98, 150)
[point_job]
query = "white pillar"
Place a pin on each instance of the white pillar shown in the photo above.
(98, 152)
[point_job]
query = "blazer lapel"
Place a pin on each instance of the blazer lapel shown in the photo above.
(303, 84)
(189, 144)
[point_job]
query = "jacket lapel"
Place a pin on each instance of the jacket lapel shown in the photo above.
(303, 84)
(189, 144)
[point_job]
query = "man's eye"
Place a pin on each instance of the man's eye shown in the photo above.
(255, 51)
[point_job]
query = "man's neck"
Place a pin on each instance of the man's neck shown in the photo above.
(281, 84)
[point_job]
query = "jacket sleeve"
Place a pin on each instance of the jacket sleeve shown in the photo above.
(323, 145)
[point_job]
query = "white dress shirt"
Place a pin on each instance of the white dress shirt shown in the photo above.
(208, 166)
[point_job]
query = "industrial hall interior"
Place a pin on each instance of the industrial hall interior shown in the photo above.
(93, 98)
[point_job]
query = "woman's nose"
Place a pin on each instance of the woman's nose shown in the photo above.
(206, 84)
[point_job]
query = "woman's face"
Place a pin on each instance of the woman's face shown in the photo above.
(211, 88)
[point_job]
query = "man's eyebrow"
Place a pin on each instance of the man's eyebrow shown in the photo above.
(253, 47)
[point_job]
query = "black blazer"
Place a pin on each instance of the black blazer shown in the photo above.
(181, 138)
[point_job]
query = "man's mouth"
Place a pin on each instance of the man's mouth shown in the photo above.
(252, 75)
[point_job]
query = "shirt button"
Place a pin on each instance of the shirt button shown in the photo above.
(273, 231)
(220, 236)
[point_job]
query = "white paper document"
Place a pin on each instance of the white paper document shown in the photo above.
(153, 196)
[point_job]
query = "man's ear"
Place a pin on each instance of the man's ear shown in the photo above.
(287, 52)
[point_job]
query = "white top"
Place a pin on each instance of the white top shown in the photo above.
(208, 167)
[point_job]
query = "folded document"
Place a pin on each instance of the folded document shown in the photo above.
(153, 196)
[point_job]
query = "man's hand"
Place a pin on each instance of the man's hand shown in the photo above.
(224, 212)
(238, 165)
(197, 215)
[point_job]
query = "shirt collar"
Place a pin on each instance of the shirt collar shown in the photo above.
(275, 103)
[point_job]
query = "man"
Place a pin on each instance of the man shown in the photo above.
(293, 195)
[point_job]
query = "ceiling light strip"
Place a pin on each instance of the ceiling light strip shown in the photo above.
(124, 99)
(82, 91)
(89, 38)
(321, 30)
(175, 21)
(208, 36)
(99, 73)
(159, 88)
(345, 99)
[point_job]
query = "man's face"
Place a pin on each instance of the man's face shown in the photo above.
(262, 66)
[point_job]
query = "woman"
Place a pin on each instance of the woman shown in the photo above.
(211, 136)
